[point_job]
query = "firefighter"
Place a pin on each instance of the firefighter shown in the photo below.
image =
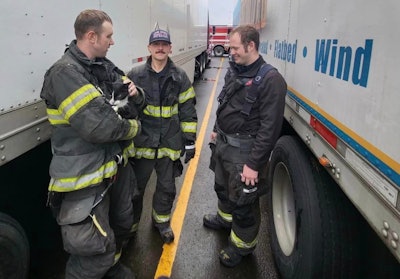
(91, 183)
(248, 123)
(169, 125)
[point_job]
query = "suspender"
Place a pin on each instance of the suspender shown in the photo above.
(252, 90)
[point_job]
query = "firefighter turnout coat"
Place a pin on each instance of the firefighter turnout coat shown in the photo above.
(87, 132)
(169, 118)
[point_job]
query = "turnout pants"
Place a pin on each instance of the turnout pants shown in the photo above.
(164, 194)
(93, 234)
(229, 161)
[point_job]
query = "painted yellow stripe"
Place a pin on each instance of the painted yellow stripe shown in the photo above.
(360, 140)
(166, 262)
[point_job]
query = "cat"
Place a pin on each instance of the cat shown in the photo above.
(123, 103)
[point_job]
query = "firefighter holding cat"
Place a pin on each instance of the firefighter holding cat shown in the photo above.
(90, 188)
(169, 125)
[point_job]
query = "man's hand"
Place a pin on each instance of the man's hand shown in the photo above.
(213, 137)
(190, 150)
(248, 193)
(249, 176)
(131, 88)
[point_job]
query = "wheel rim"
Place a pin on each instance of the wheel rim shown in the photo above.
(283, 207)
(218, 51)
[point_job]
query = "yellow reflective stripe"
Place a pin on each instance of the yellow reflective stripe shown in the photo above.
(189, 127)
(98, 226)
(147, 153)
(134, 228)
(129, 151)
(188, 94)
(226, 216)
(75, 183)
(160, 218)
(168, 152)
(150, 153)
(55, 117)
(117, 256)
(240, 243)
(133, 129)
(78, 99)
(163, 111)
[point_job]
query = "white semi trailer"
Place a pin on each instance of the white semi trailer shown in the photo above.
(34, 35)
(336, 166)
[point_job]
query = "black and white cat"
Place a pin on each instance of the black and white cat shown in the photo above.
(124, 105)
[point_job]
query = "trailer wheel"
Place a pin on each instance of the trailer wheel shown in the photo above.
(14, 247)
(219, 51)
(313, 230)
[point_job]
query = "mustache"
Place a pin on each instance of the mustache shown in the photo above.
(161, 51)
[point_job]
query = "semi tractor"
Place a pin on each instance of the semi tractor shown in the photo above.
(219, 39)
(35, 34)
(334, 174)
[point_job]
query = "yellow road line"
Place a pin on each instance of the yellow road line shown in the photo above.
(166, 262)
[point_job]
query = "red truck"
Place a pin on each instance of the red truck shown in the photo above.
(219, 39)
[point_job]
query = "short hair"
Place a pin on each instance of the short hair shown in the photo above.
(90, 20)
(247, 34)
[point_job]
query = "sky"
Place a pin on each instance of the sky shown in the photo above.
(221, 11)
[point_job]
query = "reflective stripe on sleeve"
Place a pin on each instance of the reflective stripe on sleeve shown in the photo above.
(77, 100)
(188, 94)
(133, 129)
(72, 104)
(56, 118)
(128, 152)
(189, 127)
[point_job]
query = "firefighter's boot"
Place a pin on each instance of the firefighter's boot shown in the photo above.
(166, 233)
(230, 256)
(215, 222)
(119, 271)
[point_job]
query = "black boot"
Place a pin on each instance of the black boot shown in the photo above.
(119, 271)
(166, 233)
(230, 256)
(215, 222)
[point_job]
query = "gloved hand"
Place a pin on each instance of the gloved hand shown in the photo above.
(248, 193)
(212, 157)
(190, 150)
(178, 168)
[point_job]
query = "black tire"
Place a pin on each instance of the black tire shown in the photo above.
(219, 51)
(312, 224)
(14, 249)
(200, 65)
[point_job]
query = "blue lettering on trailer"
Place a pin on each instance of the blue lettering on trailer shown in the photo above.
(341, 61)
(264, 47)
(285, 51)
